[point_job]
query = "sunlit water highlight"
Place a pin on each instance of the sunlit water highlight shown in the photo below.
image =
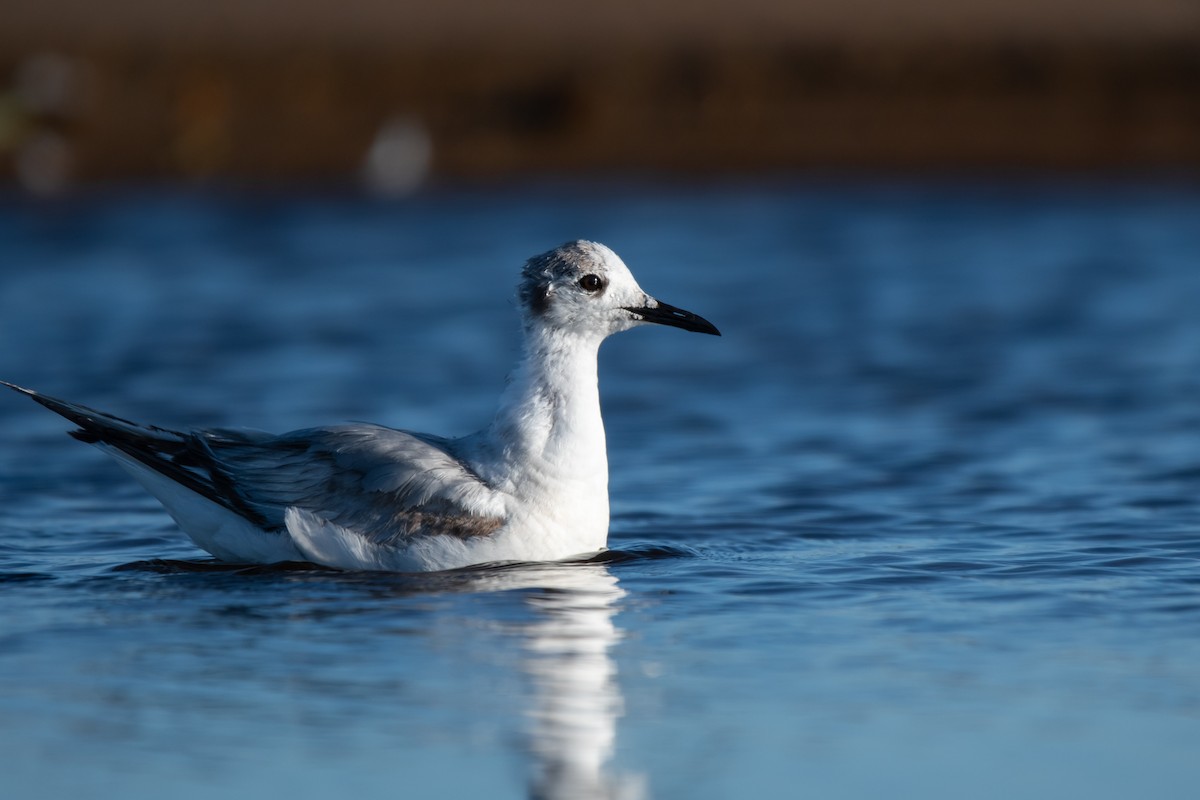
(924, 521)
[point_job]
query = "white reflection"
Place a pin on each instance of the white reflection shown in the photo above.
(576, 698)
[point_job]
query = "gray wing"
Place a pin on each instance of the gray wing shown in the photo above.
(384, 484)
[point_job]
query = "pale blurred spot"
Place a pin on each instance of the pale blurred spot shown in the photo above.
(43, 163)
(400, 157)
(51, 84)
(652, 669)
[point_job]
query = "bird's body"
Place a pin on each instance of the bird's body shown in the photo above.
(532, 486)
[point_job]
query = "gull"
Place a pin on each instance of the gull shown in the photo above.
(532, 486)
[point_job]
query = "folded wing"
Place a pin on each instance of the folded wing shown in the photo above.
(385, 485)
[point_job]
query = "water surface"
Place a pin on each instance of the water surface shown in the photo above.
(922, 522)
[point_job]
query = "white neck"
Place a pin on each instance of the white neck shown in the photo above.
(548, 436)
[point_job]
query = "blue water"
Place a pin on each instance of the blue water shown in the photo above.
(925, 522)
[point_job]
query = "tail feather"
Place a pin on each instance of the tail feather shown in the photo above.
(182, 457)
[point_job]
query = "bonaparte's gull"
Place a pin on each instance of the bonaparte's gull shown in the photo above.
(533, 486)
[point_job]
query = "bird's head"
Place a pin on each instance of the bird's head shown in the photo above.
(584, 288)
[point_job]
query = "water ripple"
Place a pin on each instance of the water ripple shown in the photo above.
(933, 492)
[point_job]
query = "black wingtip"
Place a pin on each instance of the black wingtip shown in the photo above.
(82, 433)
(92, 423)
(20, 389)
(57, 406)
(168, 452)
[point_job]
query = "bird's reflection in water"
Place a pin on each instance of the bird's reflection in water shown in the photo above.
(576, 700)
(571, 717)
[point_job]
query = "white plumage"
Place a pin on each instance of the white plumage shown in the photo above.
(532, 486)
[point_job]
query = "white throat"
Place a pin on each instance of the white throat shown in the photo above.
(548, 435)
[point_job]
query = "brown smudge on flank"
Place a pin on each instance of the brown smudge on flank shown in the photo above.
(410, 524)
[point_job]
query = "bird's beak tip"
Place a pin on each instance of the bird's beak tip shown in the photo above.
(665, 314)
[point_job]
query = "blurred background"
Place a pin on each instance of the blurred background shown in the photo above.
(395, 93)
(922, 523)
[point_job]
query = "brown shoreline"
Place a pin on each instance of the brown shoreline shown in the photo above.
(305, 113)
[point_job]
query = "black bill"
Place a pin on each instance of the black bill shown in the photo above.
(664, 314)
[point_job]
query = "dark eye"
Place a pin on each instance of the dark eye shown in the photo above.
(591, 283)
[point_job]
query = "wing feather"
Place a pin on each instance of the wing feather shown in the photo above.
(383, 484)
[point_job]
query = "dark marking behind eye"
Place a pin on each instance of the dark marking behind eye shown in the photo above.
(539, 300)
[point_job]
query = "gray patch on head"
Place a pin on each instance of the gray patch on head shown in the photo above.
(570, 260)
